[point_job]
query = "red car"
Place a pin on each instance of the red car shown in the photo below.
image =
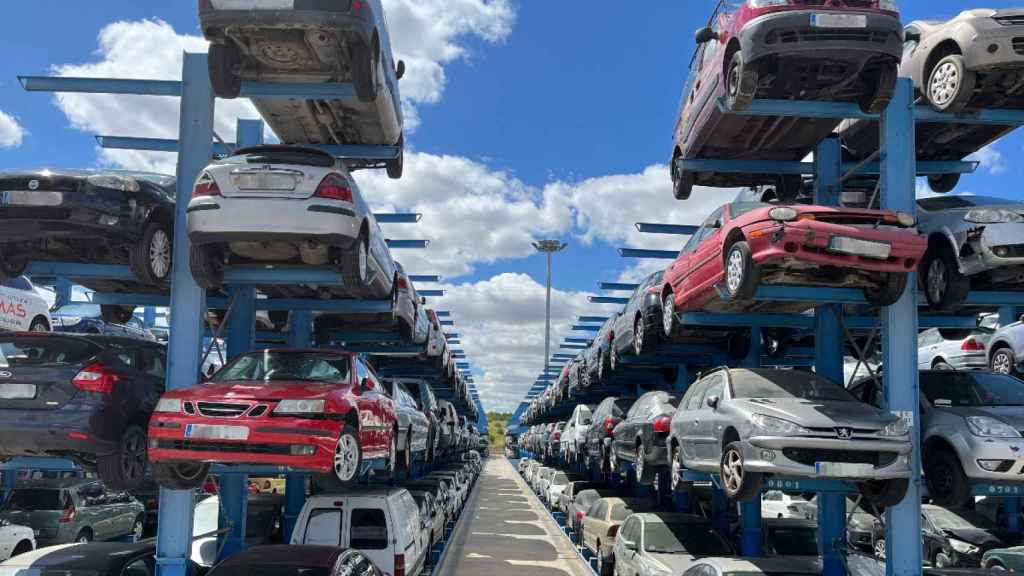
(839, 50)
(315, 410)
(744, 244)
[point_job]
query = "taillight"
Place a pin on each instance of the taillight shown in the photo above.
(972, 345)
(663, 424)
(609, 425)
(68, 515)
(205, 186)
(334, 187)
(403, 283)
(399, 564)
(556, 435)
(611, 336)
(579, 516)
(612, 531)
(95, 378)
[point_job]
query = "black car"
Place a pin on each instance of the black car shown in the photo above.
(958, 538)
(638, 329)
(93, 559)
(790, 537)
(83, 397)
(296, 561)
(606, 416)
(640, 437)
(424, 396)
(112, 217)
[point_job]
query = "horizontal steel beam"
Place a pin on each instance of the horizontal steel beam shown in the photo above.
(100, 85)
(442, 313)
(424, 277)
(586, 327)
(642, 253)
(681, 229)
(398, 218)
(572, 347)
(592, 319)
(256, 275)
(81, 271)
(607, 300)
(573, 340)
(446, 322)
(454, 341)
(431, 292)
(450, 335)
(617, 286)
(407, 243)
(746, 320)
(924, 167)
(347, 151)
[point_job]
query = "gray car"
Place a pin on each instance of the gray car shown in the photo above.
(744, 424)
(937, 352)
(1005, 351)
(971, 423)
(971, 240)
(655, 544)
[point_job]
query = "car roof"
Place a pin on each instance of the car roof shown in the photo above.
(101, 557)
(276, 554)
(362, 492)
(100, 339)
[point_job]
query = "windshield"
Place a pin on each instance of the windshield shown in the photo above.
(35, 499)
(972, 389)
(44, 351)
(944, 519)
(270, 365)
(793, 541)
(786, 384)
(737, 209)
(684, 538)
(79, 309)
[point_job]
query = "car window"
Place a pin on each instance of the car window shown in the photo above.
(785, 384)
(629, 529)
(598, 509)
(640, 407)
(694, 394)
(152, 362)
(139, 567)
(277, 365)
(620, 512)
(369, 529)
(43, 350)
(715, 388)
(323, 527)
(951, 388)
(36, 499)
(927, 337)
(19, 283)
(684, 538)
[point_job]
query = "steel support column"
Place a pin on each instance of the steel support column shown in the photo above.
(899, 334)
(63, 291)
(1008, 315)
(149, 316)
(750, 511)
(195, 130)
(300, 335)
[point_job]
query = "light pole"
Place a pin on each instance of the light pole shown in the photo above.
(548, 247)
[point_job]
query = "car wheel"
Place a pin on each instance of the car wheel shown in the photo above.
(39, 324)
(950, 85)
(347, 462)
(137, 528)
(740, 83)
(125, 469)
(613, 461)
(668, 314)
(996, 565)
(206, 267)
(884, 493)
(888, 290)
(407, 456)
(676, 466)
(613, 358)
(878, 87)
(83, 537)
(942, 560)
(150, 259)
(682, 181)
(879, 548)
(396, 165)
(116, 314)
(1003, 361)
(222, 61)
(365, 66)
(22, 547)
(603, 568)
(11, 267)
(643, 472)
(945, 286)
(945, 477)
(941, 365)
(738, 483)
(179, 475)
(742, 275)
(393, 455)
(355, 266)
(643, 341)
(942, 183)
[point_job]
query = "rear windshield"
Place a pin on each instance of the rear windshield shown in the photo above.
(269, 365)
(369, 529)
(80, 309)
(35, 499)
(786, 384)
(621, 406)
(586, 498)
(18, 351)
(301, 156)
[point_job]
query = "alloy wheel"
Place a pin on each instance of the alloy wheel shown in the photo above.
(38, 326)
(363, 258)
(880, 548)
(613, 461)
(137, 531)
(734, 271)
(133, 457)
(638, 337)
(640, 462)
(668, 313)
(945, 84)
(677, 470)
(936, 280)
(1002, 363)
(346, 458)
(732, 471)
(160, 254)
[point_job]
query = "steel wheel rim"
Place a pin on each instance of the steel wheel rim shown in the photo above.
(160, 254)
(667, 313)
(1001, 362)
(734, 272)
(640, 462)
(677, 470)
(734, 80)
(137, 530)
(880, 548)
(362, 261)
(732, 471)
(638, 336)
(613, 462)
(945, 83)
(940, 561)
(133, 459)
(937, 280)
(346, 458)
(393, 457)
(37, 327)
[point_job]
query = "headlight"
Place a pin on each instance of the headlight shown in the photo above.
(898, 427)
(300, 407)
(888, 5)
(114, 182)
(168, 405)
(905, 220)
(767, 3)
(963, 547)
(70, 320)
(782, 214)
(989, 427)
(773, 425)
(992, 216)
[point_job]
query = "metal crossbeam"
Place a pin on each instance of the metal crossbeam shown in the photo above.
(443, 313)
(424, 278)
(446, 322)
(398, 218)
(607, 300)
(573, 340)
(592, 318)
(402, 244)
(643, 253)
(680, 229)
(746, 320)
(586, 327)
(431, 292)
(924, 167)
(349, 151)
(617, 286)
(572, 347)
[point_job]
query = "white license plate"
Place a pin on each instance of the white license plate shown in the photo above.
(17, 391)
(31, 198)
(858, 247)
(843, 469)
(263, 181)
(839, 20)
(216, 432)
(254, 4)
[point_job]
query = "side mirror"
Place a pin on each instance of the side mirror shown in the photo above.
(705, 35)
(400, 69)
(713, 401)
(629, 545)
(911, 36)
(366, 384)
(423, 300)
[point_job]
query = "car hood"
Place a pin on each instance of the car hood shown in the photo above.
(818, 414)
(674, 563)
(1012, 415)
(243, 390)
(984, 539)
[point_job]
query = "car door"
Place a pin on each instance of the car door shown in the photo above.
(153, 371)
(705, 78)
(927, 347)
(373, 436)
(688, 417)
(706, 420)
(678, 271)
(592, 523)
(630, 560)
(705, 267)
(635, 418)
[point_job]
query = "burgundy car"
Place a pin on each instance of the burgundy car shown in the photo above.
(744, 244)
(315, 410)
(835, 50)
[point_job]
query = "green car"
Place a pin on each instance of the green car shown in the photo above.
(73, 510)
(1004, 558)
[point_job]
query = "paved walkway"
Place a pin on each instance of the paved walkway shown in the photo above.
(508, 533)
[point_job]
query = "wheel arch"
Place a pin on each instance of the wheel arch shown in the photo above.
(940, 51)
(994, 347)
(731, 434)
(731, 48)
(935, 443)
(735, 235)
(42, 317)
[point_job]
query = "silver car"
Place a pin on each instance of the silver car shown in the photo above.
(937, 352)
(1005, 353)
(656, 544)
(744, 424)
(971, 240)
(407, 314)
(287, 205)
(971, 423)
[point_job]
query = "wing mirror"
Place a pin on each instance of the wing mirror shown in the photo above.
(400, 69)
(629, 545)
(705, 35)
(423, 300)
(366, 384)
(713, 401)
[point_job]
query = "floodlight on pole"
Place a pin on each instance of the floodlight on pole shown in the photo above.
(548, 247)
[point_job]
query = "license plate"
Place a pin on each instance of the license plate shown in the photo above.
(17, 391)
(216, 432)
(839, 20)
(843, 469)
(858, 247)
(31, 198)
(263, 181)
(254, 4)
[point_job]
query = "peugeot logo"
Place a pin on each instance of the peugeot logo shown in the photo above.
(33, 184)
(5, 374)
(844, 433)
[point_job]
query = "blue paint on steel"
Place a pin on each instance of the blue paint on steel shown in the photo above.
(232, 490)
(617, 286)
(785, 293)
(149, 316)
(451, 335)
(153, 144)
(62, 290)
(77, 270)
(763, 320)
(591, 318)
(399, 218)
(750, 511)
(680, 229)
(924, 168)
(300, 335)
(403, 244)
(282, 276)
(990, 116)
(430, 292)
(572, 340)
(443, 313)
(586, 327)
(642, 253)
(447, 322)
(607, 300)
(424, 278)
(100, 85)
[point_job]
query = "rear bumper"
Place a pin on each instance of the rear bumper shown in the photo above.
(790, 33)
(220, 219)
(49, 432)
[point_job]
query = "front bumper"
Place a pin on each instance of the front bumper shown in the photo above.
(1009, 453)
(994, 247)
(858, 459)
(979, 54)
(790, 33)
(972, 361)
(219, 219)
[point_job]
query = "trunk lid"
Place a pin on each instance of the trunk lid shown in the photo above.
(36, 370)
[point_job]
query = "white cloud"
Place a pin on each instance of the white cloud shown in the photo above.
(11, 133)
(990, 159)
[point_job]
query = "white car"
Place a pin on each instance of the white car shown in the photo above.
(776, 504)
(574, 437)
(22, 308)
(15, 539)
(291, 206)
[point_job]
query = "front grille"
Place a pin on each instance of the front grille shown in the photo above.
(199, 446)
(1018, 45)
(54, 183)
(258, 411)
(1016, 20)
(825, 35)
(221, 409)
(809, 457)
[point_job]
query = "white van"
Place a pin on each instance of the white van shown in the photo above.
(22, 309)
(381, 522)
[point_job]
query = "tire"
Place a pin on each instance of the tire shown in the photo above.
(995, 565)
(740, 83)
(11, 267)
(279, 318)
(355, 266)
(941, 365)
(603, 567)
(125, 469)
(396, 166)
(179, 475)
(613, 358)
(221, 63)
(738, 345)
(643, 341)
(669, 322)
(879, 548)
(116, 314)
(407, 455)
(676, 469)
(84, 536)
(393, 455)
(207, 271)
(945, 286)
(1003, 362)
(888, 291)
(742, 276)
(942, 183)
(39, 324)
(348, 462)
(137, 528)
(950, 85)
(151, 257)
(942, 560)
(789, 187)
(878, 88)
(682, 181)
(365, 64)
(738, 484)
(644, 475)
(884, 493)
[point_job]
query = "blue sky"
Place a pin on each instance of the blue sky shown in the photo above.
(541, 98)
